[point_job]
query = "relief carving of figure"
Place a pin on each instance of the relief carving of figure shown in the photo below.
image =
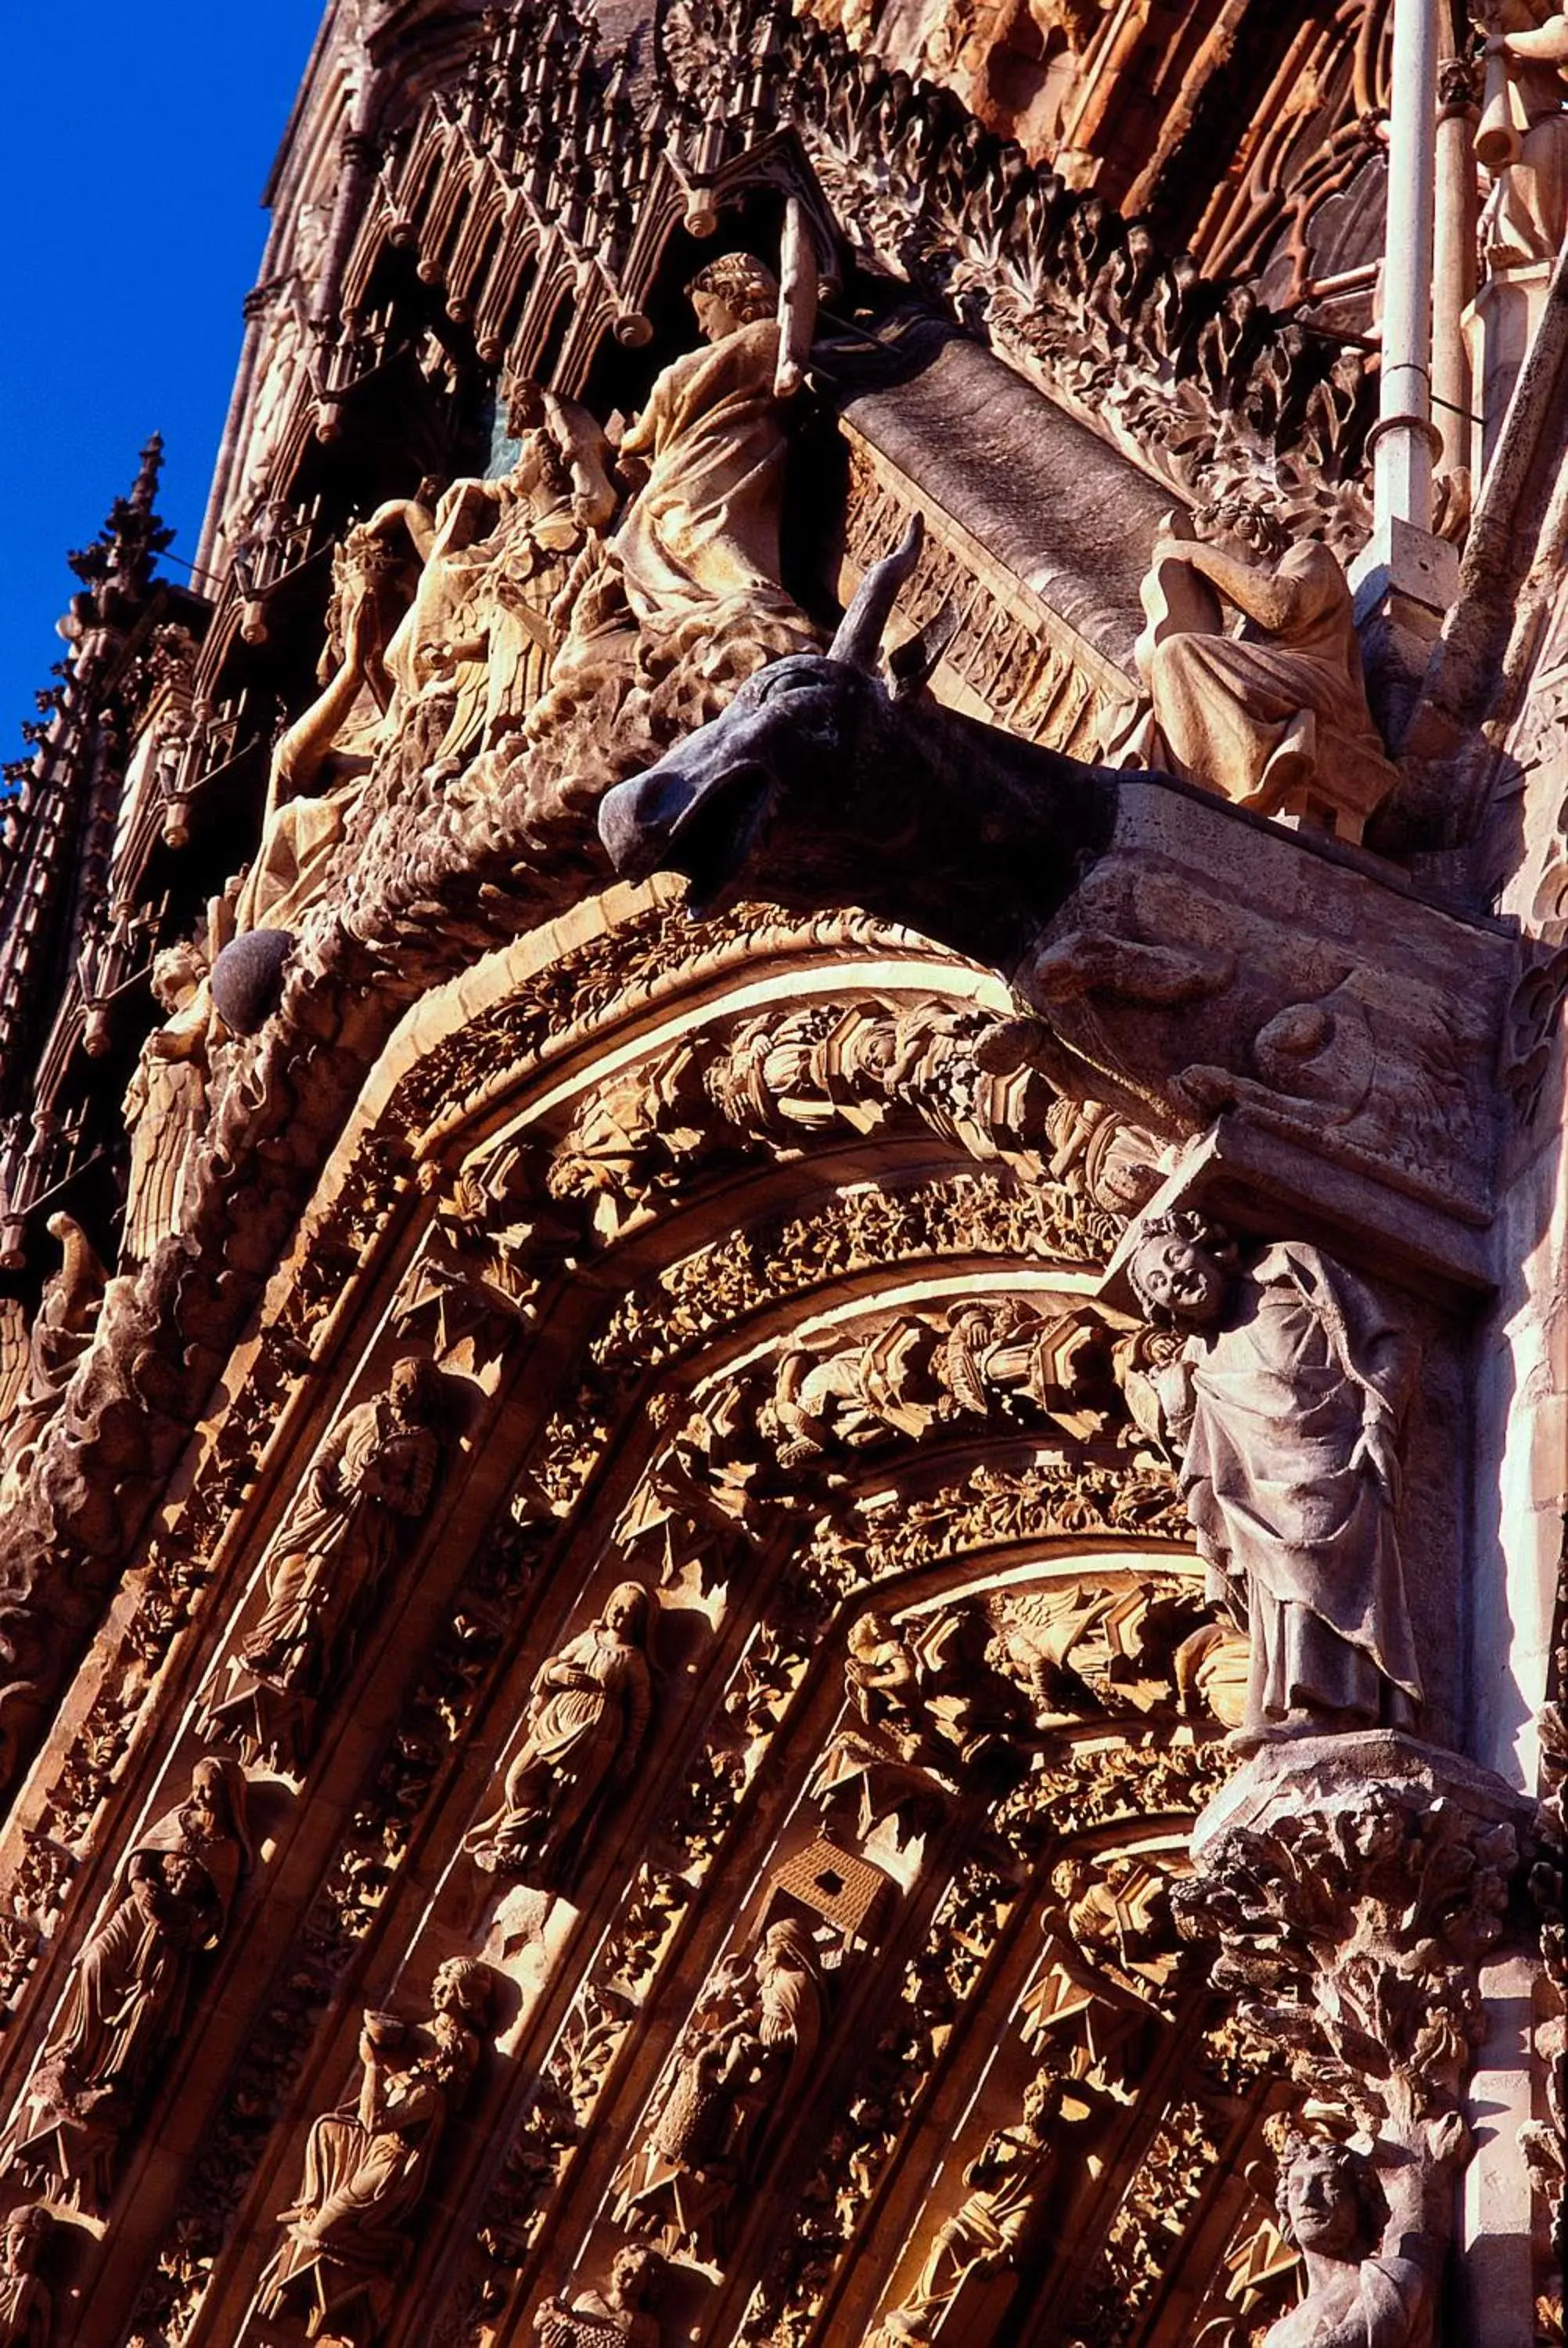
(368, 2165)
(586, 1727)
(470, 657)
(367, 1488)
(164, 1103)
(1007, 2179)
(130, 1987)
(743, 2056)
(320, 765)
(622, 2312)
(61, 1332)
(1275, 717)
(1373, 2262)
(1286, 1402)
(27, 2306)
(1524, 135)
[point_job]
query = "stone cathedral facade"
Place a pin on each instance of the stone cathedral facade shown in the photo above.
(784, 1357)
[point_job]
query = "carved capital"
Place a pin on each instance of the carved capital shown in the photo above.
(1353, 1885)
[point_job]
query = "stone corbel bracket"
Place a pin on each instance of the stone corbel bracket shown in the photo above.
(1354, 1885)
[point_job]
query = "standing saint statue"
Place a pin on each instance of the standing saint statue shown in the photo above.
(164, 1103)
(368, 2164)
(130, 1987)
(694, 565)
(1006, 2180)
(369, 1485)
(1286, 1401)
(587, 1723)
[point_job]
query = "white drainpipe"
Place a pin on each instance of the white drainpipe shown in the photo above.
(1403, 440)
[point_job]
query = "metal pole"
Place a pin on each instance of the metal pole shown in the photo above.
(1403, 439)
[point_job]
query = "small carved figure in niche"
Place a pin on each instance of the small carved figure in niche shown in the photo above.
(1522, 136)
(623, 2312)
(1372, 2268)
(26, 2307)
(130, 1987)
(1119, 1909)
(164, 1103)
(61, 1332)
(587, 1723)
(1007, 2179)
(882, 1680)
(747, 2048)
(1274, 718)
(1286, 1401)
(368, 1487)
(368, 2165)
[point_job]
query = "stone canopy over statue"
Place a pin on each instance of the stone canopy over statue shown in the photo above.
(1285, 1403)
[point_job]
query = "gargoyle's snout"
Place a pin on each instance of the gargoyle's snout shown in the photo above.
(637, 818)
(700, 812)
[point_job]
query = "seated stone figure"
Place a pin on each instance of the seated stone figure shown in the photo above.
(348, 2237)
(1274, 718)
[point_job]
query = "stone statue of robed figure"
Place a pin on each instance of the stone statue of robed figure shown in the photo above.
(1285, 1403)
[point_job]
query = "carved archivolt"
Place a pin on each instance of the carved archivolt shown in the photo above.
(922, 1590)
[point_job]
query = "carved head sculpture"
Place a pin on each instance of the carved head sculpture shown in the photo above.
(636, 2277)
(177, 972)
(869, 1633)
(734, 291)
(786, 1980)
(1070, 1879)
(823, 785)
(1042, 2097)
(461, 1990)
(22, 2238)
(215, 1810)
(1182, 1269)
(629, 1613)
(415, 1388)
(1331, 2201)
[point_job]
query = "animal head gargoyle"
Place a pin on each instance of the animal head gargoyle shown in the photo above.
(800, 792)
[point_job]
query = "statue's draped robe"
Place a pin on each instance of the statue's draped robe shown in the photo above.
(701, 538)
(1523, 218)
(365, 2173)
(1277, 1406)
(1224, 703)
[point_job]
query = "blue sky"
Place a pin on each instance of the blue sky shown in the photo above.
(136, 145)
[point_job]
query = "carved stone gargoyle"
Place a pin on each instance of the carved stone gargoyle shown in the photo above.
(1185, 956)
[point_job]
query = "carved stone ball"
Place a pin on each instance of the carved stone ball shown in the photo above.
(247, 980)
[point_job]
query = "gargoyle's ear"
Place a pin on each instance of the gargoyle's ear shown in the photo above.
(914, 664)
(859, 637)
